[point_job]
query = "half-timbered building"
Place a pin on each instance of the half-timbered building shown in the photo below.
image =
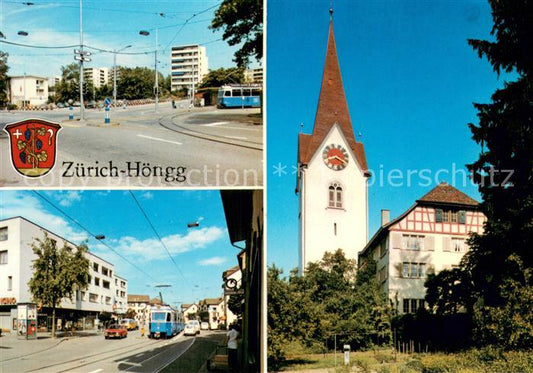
(427, 238)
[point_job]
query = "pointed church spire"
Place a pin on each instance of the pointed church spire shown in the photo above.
(332, 107)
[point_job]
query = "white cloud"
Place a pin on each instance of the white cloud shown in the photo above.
(151, 248)
(147, 195)
(66, 198)
(216, 260)
(29, 206)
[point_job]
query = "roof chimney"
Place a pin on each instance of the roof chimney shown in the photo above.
(385, 217)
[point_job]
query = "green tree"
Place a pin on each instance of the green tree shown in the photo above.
(331, 298)
(130, 314)
(242, 22)
(219, 77)
(57, 273)
(498, 266)
(4, 81)
(138, 83)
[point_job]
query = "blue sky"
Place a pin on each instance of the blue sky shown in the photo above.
(107, 25)
(201, 254)
(410, 79)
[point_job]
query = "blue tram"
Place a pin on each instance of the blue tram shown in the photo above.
(164, 322)
(239, 96)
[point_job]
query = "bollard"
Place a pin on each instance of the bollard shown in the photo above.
(106, 120)
(70, 113)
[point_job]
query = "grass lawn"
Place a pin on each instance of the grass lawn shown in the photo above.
(385, 361)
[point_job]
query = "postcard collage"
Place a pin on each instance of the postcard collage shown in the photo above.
(248, 185)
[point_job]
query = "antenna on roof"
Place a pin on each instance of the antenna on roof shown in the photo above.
(331, 10)
(301, 127)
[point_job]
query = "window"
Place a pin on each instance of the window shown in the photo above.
(453, 216)
(383, 274)
(413, 305)
(413, 270)
(97, 281)
(458, 245)
(107, 300)
(382, 248)
(95, 267)
(3, 234)
(105, 284)
(82, 296)
(413, 242)
(105, 271)
(9, 282)
(93, 298)
(3, 257)
(335, 195)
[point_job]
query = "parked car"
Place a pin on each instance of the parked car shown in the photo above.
(130, 324)
(116, 331)
(192, 328)
(204, 325)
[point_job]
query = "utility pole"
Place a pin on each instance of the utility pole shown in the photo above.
(82, 112)
(156, 74)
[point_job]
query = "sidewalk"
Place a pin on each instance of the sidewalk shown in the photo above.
(11, 347)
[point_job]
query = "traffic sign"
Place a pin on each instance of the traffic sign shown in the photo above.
(107, 101)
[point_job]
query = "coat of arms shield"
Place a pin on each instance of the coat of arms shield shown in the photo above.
(33, 146)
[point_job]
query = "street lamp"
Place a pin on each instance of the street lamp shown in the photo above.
(115, 74)
(23, 33)
(156, 86)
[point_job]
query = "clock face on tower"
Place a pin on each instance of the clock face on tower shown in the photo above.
(335, 157)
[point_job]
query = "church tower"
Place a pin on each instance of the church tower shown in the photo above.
(332, 174)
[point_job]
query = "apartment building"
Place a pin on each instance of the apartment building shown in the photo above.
(253, 76)
(28, 90)
(189, 311)
(140, 304)
(427, 238)
(99, 76)
(188, 65)
(106, 291)
(215, 307)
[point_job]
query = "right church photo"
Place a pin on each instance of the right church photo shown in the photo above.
(400, 157)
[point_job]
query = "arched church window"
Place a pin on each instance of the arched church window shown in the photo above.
(335, 195)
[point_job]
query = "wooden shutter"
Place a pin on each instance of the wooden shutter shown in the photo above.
(446, 243)
(396, 240)
(429, 243)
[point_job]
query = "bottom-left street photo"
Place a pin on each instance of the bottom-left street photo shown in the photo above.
(131, 280)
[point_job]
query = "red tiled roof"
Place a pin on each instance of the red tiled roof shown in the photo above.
(138, 298)
(445, 193)
(332, 108)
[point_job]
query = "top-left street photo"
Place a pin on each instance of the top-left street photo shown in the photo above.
(139, 94)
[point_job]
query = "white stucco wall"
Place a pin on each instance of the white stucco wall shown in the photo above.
(317, 232)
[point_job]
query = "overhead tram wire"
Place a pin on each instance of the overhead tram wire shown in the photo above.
(40, 46)
(91, 234)
(158, 236)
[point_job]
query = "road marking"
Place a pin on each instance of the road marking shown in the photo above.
(236, 137)
(214, 124)
(96, 371)
(158, 139)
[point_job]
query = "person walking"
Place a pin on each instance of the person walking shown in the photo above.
(231, 339)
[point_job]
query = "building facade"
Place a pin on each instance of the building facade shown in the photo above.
(427, 238)
(188, 66)
(28, 90)
(332, 175)
(140, 304)
(106, 291)
(232, 279)
(215, 307)
(99, 76)
(189, 311)
(253, 76)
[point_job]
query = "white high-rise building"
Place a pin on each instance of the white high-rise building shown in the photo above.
(332, 175)
(188, 64)
(99, 76)
(106, 291)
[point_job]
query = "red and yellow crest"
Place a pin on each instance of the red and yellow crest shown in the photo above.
(33, 146)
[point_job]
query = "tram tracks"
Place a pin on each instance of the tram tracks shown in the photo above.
(169, 123)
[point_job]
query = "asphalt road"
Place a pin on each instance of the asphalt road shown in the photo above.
(199, 147)
(94, 354)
